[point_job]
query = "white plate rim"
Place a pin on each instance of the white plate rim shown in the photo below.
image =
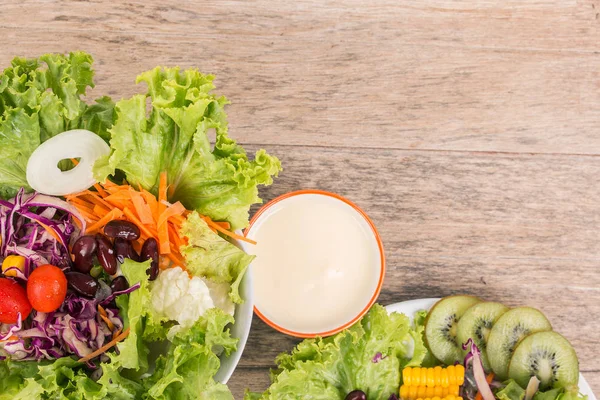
(410, 307)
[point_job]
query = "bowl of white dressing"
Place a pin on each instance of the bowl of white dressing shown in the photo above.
(319, 263)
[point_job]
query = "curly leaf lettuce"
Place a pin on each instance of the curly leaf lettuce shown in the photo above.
(368, 356)
(209, 255)
(40, 98)
(220, 182)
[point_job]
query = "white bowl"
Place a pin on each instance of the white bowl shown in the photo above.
(241, 328)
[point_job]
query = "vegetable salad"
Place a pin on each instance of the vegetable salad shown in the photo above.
(123, 282)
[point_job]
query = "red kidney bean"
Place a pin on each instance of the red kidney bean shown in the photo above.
(83, 284)
(84, 250)
(124, 249)
(356, 395)
(106, 254)
(122, 229)
(119, 284)
(150, 252)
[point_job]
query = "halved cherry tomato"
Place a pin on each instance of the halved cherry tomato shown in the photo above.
(46, 288)
(13, 300)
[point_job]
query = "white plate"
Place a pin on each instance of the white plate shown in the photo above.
(410, 307)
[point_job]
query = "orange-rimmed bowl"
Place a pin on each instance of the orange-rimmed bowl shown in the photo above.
(263, 211)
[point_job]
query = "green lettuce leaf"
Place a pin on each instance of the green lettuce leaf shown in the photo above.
(512, 391)
(331, 368)
(209, 255)
(40, 98)
(220, 182)
(428, 359)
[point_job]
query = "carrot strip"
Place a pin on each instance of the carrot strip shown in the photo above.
(117, 333)
(224, 224)
(226, 232)
(144, 228)
(175, 209)
(141, 208)
(163, 230)
(115, 213)
(104, 316)
(52, 232)
(104, 348)
(151, 201)
(94, 198)
(100, 211)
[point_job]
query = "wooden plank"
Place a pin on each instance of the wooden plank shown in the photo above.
(513, 228)
(385, 77)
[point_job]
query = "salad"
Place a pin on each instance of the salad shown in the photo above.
(462, 348)
(119, 279)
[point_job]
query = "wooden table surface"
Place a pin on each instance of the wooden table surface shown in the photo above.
(468, 130)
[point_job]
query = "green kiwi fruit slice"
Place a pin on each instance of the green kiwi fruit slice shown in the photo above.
(476, 323)
(508, 331)
(440, 327)
(550, 357)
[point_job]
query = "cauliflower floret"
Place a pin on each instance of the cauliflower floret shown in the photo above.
(219, 292)
(179, 298)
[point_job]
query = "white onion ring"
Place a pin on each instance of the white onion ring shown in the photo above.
(43, 174)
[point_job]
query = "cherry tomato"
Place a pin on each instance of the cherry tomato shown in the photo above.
(46, 288)
(13, 300)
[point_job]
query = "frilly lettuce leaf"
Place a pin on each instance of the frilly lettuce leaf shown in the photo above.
(209, 255)
(40, 98)
(331, 368)
(220, 182)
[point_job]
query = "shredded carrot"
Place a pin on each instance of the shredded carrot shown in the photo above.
(104, 348)
(224, 231)
(115, 213)
(105, 318)
(154, 215)
(117, 333)
(163, 231)
(489, 380)
(51, 231)
(12, 338)
(141, 208)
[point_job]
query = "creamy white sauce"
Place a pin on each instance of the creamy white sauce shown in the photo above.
(318, 263)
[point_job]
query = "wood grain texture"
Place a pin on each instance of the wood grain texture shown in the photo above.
(469, 131)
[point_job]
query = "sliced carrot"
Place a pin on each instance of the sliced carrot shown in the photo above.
(163, 229)
(175, 209)
(117, 333)
(141, 208)
(95, 198)
(224, 224)
(104, 348)
(144, 228)
(100, 211)
(51, 231)
(104, 316)
(151, 201)
(226, 232)
(115, 213)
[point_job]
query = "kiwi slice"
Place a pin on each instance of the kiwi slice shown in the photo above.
(508, 331)
(440, 327)
(476, 323)
(550, 357)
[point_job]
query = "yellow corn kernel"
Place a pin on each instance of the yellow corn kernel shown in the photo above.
(428, 391)
(451, 371)
(460, 374)
(444, 377)
(436, 398)
(404, 391)
(412, 392)
(431, 377)
(422, 391)
(437, 391)
(13, 261)
(453, 390)
(449, 397)
(406, 377)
